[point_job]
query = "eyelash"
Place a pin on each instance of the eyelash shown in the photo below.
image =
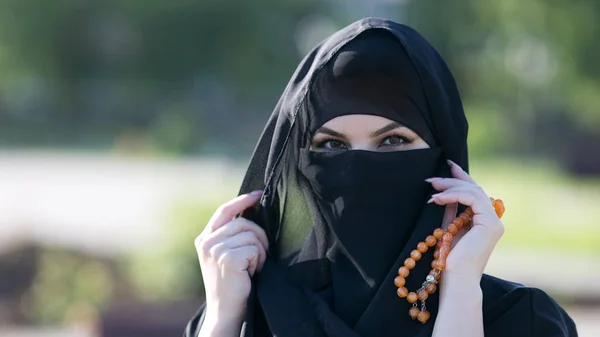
(405, 141)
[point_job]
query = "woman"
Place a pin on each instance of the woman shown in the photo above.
(363, 157)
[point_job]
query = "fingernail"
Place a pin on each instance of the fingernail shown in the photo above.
(256, 193)
(431, 200)
(450, 163)
(432, 179)
(436, 195)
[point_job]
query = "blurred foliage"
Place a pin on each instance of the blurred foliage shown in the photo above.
(86, 73)
(547, 210)
(171, 271)
(66, 282)
(525, 71)
(190, 77)
(541, 54)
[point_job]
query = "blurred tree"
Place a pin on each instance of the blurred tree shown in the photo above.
(108, 67)
(66, 279)
(202, 76)
(528, 62)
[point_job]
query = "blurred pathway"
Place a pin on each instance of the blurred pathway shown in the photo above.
(104, 204)
(561, 272)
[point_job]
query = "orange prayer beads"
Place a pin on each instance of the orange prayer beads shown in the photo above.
(442, 240)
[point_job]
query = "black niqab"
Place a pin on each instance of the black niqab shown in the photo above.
(341, 224)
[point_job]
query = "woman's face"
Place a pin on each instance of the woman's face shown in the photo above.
(365, 132)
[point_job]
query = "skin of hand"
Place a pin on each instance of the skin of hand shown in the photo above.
(471, 249)
(230, 251)
(460, 312)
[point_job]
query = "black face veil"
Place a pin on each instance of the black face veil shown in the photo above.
(363, 205)
(341, 224)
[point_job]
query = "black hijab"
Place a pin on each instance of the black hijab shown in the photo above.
(341, 224)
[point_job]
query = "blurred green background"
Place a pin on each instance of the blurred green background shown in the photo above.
(124, 124)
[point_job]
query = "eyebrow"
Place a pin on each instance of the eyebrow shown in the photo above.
(389, 127)
(330, 132)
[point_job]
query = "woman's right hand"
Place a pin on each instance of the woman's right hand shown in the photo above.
(230, 251)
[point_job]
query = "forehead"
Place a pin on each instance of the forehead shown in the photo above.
(357, 123)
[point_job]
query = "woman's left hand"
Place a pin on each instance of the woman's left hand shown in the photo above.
(472, 248)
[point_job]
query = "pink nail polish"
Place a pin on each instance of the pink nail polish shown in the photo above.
(256, 193)
(432, 179)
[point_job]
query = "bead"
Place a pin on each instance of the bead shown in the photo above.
(468, 225)
(452, 229)
(414, 312)
(469, 212)
(441, 264)
(399, 281)
(403, 271)
(430, 241)
(437, 275)
(402, 292)
(442, 240)
(422, 247)
(431, 288)
(415, 255)
(423, 316)
(499, 213)
(499, 208)
(447, 239)
(444, 252)
(458, 222)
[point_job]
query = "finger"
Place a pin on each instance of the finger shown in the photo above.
(239, 225)
(226, 212)
(242, 259)
(449, 213)
(252, 259)
(442, 184)
(239, 240)
(461, 232)
(459, 173)
(252, 266)
(260, 264)
(468, 197)
(469, 188)
(247, 238)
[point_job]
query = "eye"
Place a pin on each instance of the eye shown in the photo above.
(394, 141)
(331, 145)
